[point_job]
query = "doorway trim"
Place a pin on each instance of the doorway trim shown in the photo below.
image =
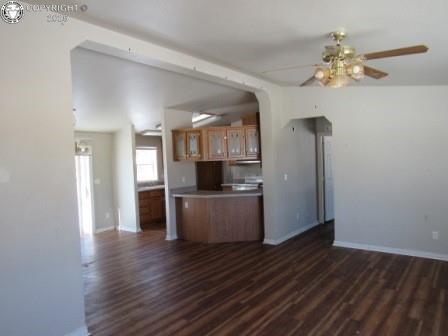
(323, 128)
(92, 193)
(328, 199)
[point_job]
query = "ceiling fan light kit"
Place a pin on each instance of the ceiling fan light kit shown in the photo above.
(341, 65)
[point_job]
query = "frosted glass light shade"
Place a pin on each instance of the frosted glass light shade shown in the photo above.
(321, 73)
(356, 71)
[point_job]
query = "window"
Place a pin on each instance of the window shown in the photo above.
(146, 160)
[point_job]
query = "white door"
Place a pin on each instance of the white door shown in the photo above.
(84, 189)
(328, 178)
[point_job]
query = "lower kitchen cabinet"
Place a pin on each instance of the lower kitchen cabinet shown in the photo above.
(151, 206)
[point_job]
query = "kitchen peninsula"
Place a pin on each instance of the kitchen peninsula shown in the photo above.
(219, 216)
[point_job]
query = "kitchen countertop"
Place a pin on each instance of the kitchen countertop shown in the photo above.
(218, 194)
(156, 187)
(238, 184)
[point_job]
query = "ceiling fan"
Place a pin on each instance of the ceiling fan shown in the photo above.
(341, 64)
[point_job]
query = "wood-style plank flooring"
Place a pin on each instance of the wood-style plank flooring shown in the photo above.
(140, 284)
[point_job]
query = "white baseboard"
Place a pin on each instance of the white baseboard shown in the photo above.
(129, 229)
(171, 237)
(79, 332)
(384, 249)
(289, 235)
(110, 228)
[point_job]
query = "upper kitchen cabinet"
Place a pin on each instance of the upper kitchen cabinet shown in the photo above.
(217, 143)
(252, 141)
(180, 145)
(236, 143)
(187, 145)
(194, 145)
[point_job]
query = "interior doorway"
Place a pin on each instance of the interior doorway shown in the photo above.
(84, 194)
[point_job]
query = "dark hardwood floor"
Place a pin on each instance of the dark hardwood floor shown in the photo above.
(157, 226)
(140, 284)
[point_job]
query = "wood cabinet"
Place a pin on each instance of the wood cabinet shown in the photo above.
(252, 142)
(151, 206)
(236, 143)
(187, 145)
(253, 119)
(180, 145)
(194, 145)
(217, 143)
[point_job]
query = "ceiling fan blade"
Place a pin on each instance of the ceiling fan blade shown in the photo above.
(374, 73)
(292, 67)
(418, 49)
(309, 81)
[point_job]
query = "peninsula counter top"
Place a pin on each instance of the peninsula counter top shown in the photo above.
(217, 194)
(148, 188)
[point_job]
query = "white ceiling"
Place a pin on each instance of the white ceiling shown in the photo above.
(109, 92)
(255, 35)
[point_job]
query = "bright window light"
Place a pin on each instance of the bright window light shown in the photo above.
(200, 116)
(146, 160)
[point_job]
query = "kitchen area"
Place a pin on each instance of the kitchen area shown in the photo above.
(177, 139)
(150, 181)
(226, 204)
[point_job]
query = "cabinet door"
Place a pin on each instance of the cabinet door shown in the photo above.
(180, 145)
(252, 142)
(194, 145)
(156, 209)
(217, 144)
(236, 143)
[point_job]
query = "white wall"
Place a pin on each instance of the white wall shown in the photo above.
(296, 158)
(177, 174)
(103, 176)
(125, 179)
(271, 107)
(40, 283)
(390, 162)
(299, 159)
